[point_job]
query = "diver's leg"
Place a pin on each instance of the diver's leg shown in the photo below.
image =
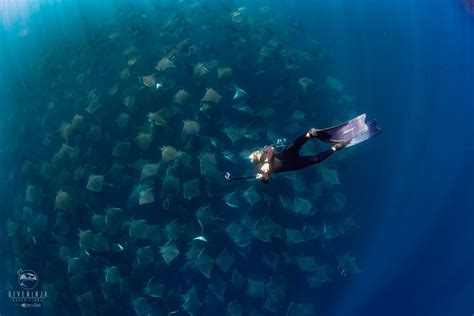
(307, 161)
(297, 144)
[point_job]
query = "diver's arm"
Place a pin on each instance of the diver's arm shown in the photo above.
(263, 177)
(266, 168)
(269, 154)
(265, 172)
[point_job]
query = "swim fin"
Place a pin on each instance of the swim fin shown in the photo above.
(372, 131)
(344, 132)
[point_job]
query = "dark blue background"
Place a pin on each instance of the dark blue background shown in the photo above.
(411, 65)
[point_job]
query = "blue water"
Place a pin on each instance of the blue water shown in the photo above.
(413, 66)
(410, 65)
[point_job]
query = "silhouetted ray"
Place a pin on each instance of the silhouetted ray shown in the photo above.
(95, 183)
(143, 140)
(175, 230)
(192, 303)
(256, 288)
(74, 266)
(218, 286)
(238, 280)
(225, 260)
(294, 236)
(330, 176)
(191, 189)
(211, 96)
(204, 263)
(112, 274)
(239, 95)
(121, 150)
(168, 153)
(271, 260)
(265, 229)
(299, 309)
(145, 255)
(164, 64)
(98, 223)
(149, 170)
(305, 82)
(347, 264)
(86, 303)
(303, 207)
(101, 243)
(122, 120)
(200, 70)
(171, 187)
(208, 165)
(252, 196)
(224, 72)
(232, 200)
(138, 229)
(234, 308)
(181, 97)
(319, 277)
(141, 306)
(169, 252)
(306, 264)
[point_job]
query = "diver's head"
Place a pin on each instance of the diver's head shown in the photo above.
(255, 156)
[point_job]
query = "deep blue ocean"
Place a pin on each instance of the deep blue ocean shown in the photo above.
(408, 64)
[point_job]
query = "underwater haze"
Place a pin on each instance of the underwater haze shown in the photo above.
(120, 119)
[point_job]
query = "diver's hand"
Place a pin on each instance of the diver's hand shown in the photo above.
(265, 167)
(261, 177)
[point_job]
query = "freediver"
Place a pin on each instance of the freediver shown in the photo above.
(344, 135)
(289, 159)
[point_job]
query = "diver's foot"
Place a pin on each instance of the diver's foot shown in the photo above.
(312, 133)
(339, 146)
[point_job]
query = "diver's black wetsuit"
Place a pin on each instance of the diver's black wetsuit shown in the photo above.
(289, 159)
